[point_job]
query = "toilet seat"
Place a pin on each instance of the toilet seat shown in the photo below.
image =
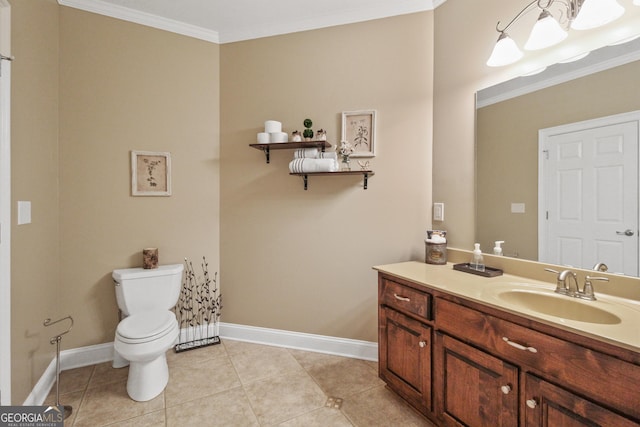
(146, 326)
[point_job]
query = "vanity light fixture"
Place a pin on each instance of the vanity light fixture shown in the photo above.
(550, 30)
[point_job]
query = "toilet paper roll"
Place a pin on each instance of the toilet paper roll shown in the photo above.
(263, 138)
(271, 126)
(278, 137)
(149, 258)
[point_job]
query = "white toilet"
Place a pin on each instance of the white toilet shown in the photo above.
(149, 329)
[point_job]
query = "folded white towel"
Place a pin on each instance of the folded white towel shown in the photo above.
(305, 153)
(328, 155)
(313, 165)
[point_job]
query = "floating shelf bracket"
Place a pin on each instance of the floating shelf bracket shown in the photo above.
(266, 153)
(305, 176)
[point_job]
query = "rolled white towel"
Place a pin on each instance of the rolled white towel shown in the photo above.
(305, 153)
(313, 165)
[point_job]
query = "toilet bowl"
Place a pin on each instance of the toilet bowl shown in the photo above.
(145, 298)
(143, 339)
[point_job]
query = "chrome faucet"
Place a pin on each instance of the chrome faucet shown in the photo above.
(561, 284)
(601, 266)
(565, 288)
(587, 292)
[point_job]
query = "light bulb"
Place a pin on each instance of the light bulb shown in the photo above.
(546, 32)
(596, 13)
(505, 52)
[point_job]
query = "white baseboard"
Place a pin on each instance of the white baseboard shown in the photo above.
(69, 359)
(100, 353)
(357, 349)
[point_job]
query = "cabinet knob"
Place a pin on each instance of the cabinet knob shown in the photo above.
(506, 389)
(531, 403)
(422, 344)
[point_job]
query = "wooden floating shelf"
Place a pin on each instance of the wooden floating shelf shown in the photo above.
(305, 175)
(289, 146)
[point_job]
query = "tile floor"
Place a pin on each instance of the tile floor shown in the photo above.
(240, 384)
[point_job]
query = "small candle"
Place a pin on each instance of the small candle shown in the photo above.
(150, 258)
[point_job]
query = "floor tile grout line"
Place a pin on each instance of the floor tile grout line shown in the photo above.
(84, 393)
(242, 385)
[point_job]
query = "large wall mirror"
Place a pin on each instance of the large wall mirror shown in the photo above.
(508, 156)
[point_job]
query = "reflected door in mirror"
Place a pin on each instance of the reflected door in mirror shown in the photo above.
(589, 195)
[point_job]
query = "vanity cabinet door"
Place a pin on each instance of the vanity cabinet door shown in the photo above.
(405, 357)
(549, 406)
(474, 388)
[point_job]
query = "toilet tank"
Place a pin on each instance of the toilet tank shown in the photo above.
(139, 289)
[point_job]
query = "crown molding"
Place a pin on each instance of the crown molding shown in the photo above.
(342, 17)
(126, 14)
(239, 33)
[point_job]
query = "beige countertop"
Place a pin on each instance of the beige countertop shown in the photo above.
(486, 290)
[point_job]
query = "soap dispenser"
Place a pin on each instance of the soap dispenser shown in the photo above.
(477, 261)
(497, 249)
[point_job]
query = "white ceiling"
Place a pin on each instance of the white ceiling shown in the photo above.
(224, 21)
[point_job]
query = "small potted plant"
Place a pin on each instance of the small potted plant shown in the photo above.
(308, 132)
(346, 150)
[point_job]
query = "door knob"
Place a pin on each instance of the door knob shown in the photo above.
(627, 232)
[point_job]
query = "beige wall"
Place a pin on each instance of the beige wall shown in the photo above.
(34, 162)
(301, 260)
(104, 87)
(128, 87)
(462, 47)
(508, 149)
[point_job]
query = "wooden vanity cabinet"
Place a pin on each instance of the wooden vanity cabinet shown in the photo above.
(404, 343)
(604, 380)
(474, 388)
(547, 405)
(464, 364)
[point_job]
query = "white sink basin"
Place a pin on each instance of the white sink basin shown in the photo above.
(558, 305)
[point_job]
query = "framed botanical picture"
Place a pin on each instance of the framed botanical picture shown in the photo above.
(150, 173)
(359, 129)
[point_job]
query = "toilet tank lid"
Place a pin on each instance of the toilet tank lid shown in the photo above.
(139, 273)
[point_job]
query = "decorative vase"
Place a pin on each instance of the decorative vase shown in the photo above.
(346, 164)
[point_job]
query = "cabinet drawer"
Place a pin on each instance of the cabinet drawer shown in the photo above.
(405, 299)
(608, 380)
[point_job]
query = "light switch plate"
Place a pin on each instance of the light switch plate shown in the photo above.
(438, 211)
(517, 207)
(24, 212)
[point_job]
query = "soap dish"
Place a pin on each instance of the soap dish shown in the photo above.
(488, 271)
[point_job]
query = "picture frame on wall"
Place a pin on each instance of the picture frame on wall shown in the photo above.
(150, 173)
(359, 129)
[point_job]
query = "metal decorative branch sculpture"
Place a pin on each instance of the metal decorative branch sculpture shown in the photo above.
(198, 309)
